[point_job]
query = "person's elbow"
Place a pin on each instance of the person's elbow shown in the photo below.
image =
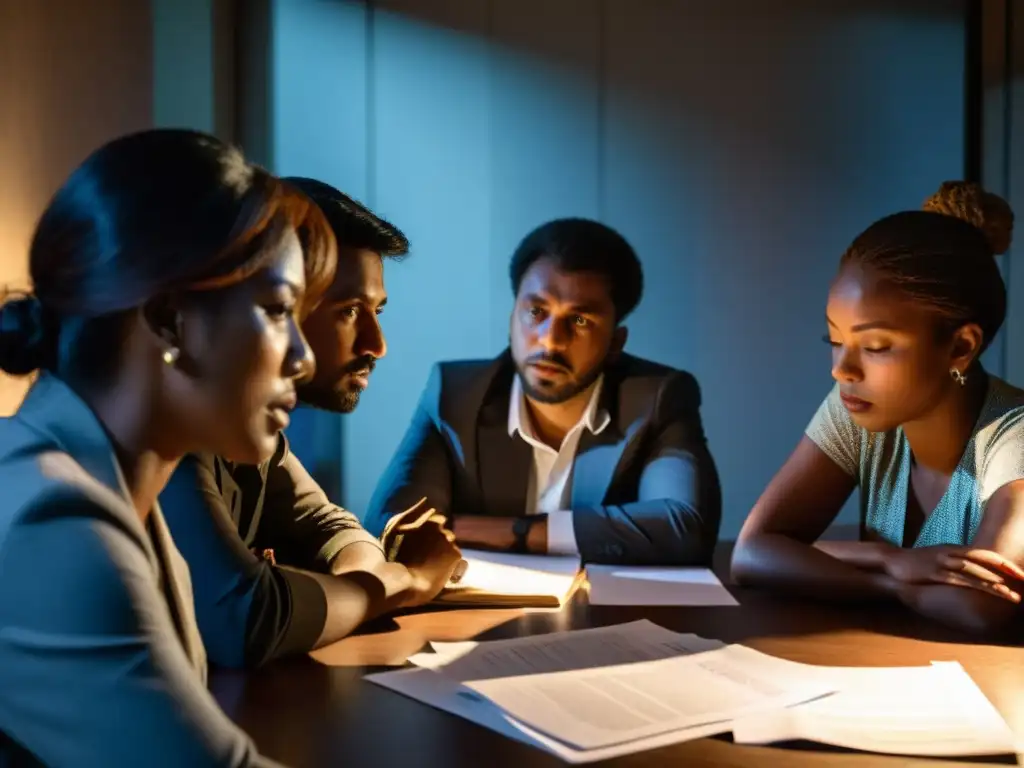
(970, 610)
(694, 532)
(748, 556)
(990, 621)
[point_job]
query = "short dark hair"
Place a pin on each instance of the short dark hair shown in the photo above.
(583, 245)
(941, 261)
(354, 225)
(148, 214)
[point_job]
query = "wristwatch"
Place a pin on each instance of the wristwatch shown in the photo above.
(521, 531)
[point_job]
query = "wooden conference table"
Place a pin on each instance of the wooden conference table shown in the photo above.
(319, 712)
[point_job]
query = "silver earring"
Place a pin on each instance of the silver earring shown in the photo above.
(958, 377)
(171, 355)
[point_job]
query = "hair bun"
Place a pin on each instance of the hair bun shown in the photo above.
(970, 202)
(25, 341)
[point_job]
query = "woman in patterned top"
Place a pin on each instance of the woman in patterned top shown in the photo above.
(935, 444)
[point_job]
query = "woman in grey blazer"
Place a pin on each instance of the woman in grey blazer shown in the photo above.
(167, 273)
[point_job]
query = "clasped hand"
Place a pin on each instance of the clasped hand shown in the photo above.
(980, 569)
(418, 540)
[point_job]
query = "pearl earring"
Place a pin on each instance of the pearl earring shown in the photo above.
(171, 355)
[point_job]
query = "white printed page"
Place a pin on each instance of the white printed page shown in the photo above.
(450, 696)
(649, 586)
(565, 565)
(935, 711)
(511, 575)
(636, 641)
(601, 707)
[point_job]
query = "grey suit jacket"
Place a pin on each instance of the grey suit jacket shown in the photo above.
(101, 662)
(644, 490)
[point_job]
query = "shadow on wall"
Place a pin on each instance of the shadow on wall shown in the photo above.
(738, 145)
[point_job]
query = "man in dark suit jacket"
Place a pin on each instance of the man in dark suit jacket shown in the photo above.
(564, 444)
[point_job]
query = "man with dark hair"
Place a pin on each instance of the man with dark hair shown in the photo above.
(276, 567)
(564, 443)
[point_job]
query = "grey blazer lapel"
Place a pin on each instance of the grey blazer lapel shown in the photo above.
(179, 591)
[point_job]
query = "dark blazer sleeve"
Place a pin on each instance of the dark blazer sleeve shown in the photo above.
(248, 611)
(421, 467)
(677, 513)
(92, 672)
(300, 523)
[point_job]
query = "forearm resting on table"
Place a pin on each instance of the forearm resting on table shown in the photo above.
(352, 599)
(779, 562)
(960, 607)
(487, 532)
(865, 555)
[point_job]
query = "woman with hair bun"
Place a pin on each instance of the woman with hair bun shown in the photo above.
(934, 442)
(167, 273)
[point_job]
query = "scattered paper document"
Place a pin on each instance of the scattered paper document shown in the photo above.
(606, 706)
(451, 664)
(450, 696)
(501, 579)
(618, 644)
(652, 586)
(935, 711)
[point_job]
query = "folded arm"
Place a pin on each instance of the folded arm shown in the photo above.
(996, 553)
(677, 513)
(249, 611)
(674, 520)
(92, 672)
(776, 548)
(1001, 532)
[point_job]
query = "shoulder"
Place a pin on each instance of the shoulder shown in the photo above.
(835, 433)
(45, 485)
(68, 543)
(658, 386)
(999, 438)
(456, 374)
(1002, 417)
(459, 387)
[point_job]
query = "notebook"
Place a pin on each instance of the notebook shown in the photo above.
(499, 579)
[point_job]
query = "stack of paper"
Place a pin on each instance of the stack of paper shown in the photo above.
(600, 693)
(595, 694)
(504, 580)
(936, 711)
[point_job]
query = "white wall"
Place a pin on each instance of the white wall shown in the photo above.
(738, 144)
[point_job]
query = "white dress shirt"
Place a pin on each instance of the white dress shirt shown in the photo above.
(550, 480)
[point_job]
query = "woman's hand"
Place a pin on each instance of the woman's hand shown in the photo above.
(980, 569)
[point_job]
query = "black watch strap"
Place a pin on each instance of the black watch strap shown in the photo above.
(521, 531)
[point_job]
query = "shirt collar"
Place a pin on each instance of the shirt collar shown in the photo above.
(595, 418)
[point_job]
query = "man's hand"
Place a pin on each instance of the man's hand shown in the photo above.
(431, 556)
(979, 569)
